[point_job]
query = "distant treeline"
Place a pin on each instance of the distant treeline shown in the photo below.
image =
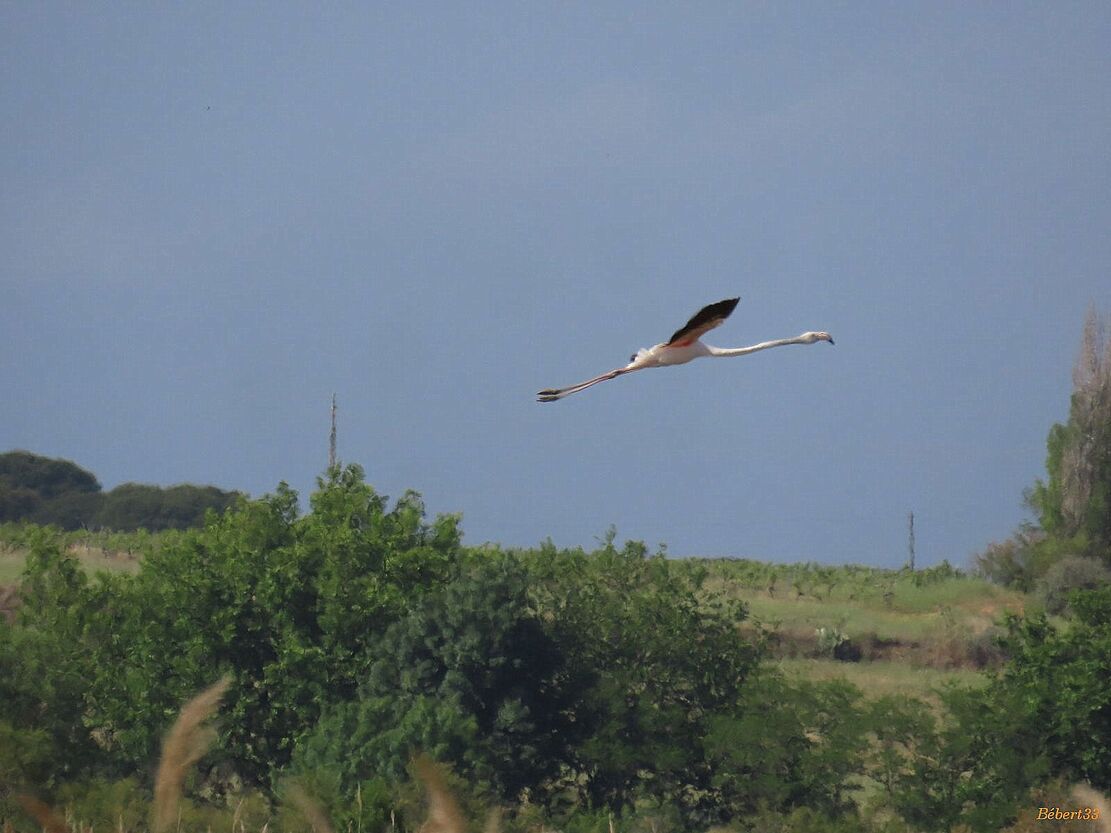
(44, 490)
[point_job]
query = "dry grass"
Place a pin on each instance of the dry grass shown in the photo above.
(187, 740)
(92, 560)
(444, 815)
(48, 820)
(1090, 798)
(12, 563)
(1058, 795)
(309, 808)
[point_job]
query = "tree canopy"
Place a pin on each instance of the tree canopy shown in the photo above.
(60, 493)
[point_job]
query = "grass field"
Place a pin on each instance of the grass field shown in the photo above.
(883, 678)
(93, 559)
(913, 609)
(914, 632)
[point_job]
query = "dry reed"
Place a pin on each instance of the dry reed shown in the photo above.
(1088, 797)
(187, 740)
(50, 821)
(444, 815)
(310, 810)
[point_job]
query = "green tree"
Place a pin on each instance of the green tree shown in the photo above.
(44, 663)
(1057, 681)
(46, 491)
(1074, 503)
(16, 504)
(69, 510)
(652, 660)
(972, 765)
(287, 604)
(132, 506)
(789, 745)
(468, 676)
(45, 476)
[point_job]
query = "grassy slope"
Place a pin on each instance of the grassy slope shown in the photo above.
(910, 613)
(883, 678)
(93, 559)
(931, 621)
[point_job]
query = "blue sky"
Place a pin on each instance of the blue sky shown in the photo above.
(213, 216)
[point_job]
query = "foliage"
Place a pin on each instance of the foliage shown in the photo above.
(1017, 561)
(18, 503)
(652, 659)
(17, 536)
(1068, 575)
(830, 640)
(289, 605)
(548, 673)
(104, 804)
(60, 493)
(1057, 681)
(468, 676)
(787, 746)
(44, 476)
(1075, 501)
(46, 490)
(133, 506)
(26, 759)
(44, 666)
(579, 686)
(971, 765)
(1047, 713)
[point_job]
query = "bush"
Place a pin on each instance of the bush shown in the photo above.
(1058, 681)
(788, 745)
(468, 676)
(1068, 575)
(1014, 562)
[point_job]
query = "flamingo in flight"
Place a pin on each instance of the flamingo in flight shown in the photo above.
(682, 347)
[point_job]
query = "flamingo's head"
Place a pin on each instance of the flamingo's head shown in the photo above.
(810, 338)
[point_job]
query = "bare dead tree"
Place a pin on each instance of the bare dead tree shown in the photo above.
(1091, 418)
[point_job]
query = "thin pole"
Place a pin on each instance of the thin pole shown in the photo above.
(910, 539)
(332, 438)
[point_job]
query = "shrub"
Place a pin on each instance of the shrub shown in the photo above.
(1068, 575)
(1013, 562)
(1058, 679)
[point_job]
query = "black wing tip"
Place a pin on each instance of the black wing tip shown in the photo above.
(711, 312)
(727, 306)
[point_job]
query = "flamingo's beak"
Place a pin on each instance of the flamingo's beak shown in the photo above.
(831, 339)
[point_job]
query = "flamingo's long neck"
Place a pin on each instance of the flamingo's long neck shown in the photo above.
(724, 352)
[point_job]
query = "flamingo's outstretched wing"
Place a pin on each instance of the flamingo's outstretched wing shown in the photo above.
(702, 322)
